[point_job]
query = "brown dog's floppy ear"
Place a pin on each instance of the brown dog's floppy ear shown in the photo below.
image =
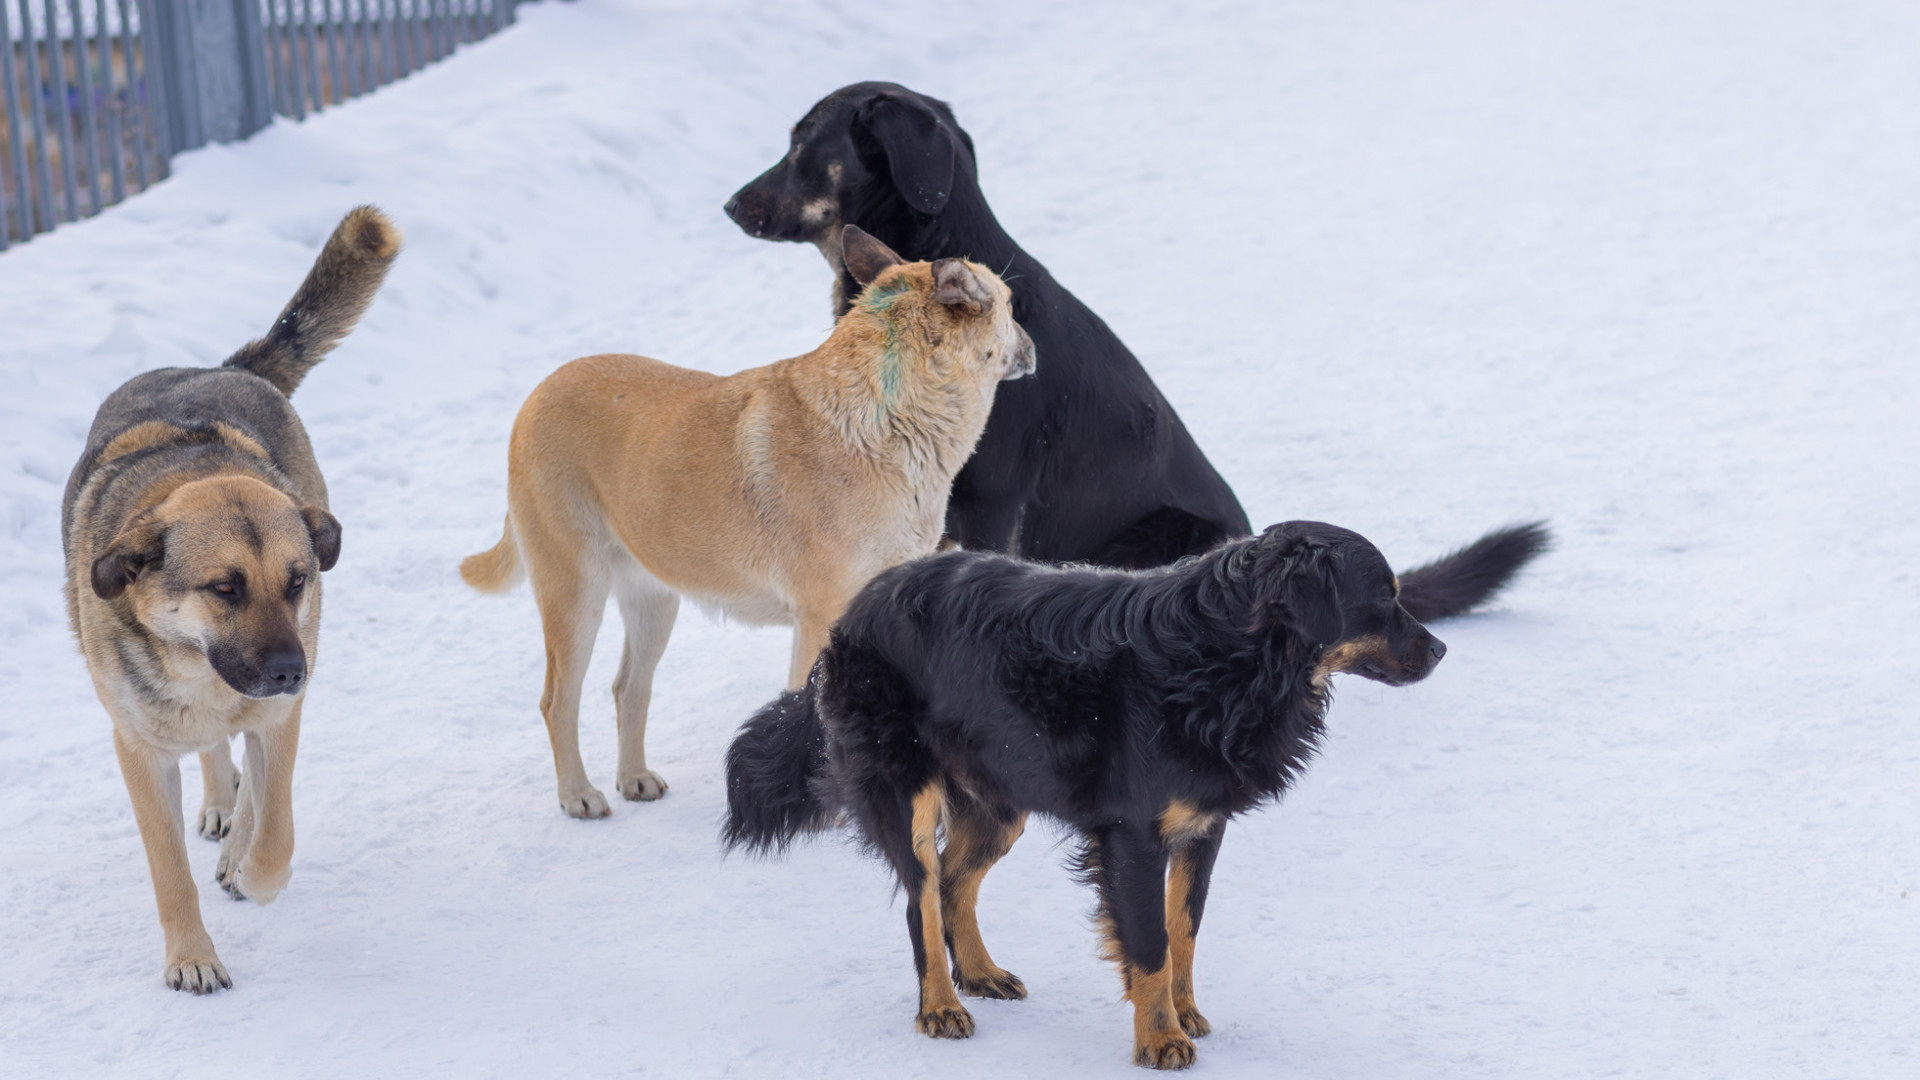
(325, 529)
(141, 544)
(920, 150)
(865, 255)
(956, 285)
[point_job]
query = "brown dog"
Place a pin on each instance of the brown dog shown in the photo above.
(196, 528)
(770, 496)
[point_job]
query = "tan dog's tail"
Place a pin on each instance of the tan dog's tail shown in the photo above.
(327, 304)
(498, 568)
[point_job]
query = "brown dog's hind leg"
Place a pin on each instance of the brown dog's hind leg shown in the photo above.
(648, 609)
(219, 781)
(153, 785)
(975, 841)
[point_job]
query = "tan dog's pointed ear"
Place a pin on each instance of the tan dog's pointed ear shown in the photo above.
(864, 255)
(140, 544)
(956, 285)
(325, 529)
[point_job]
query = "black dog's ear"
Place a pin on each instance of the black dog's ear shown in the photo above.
(325, 530)
(141, 544)
(1310, 603)
(920, 151)
(864, 254)
(956, 285)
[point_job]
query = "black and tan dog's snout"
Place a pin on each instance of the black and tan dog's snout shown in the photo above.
(759, 211)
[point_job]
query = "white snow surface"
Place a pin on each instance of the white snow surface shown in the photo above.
(1649, 270)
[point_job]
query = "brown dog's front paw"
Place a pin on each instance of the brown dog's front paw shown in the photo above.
(586, 804)
(215, 821)
(1169, 1049)
(1193, 1023)
(643, 787)
(945, 1022)
(995, 983)
(198, 975)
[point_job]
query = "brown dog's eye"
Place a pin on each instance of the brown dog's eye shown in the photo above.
(225, 588)
(299, 582)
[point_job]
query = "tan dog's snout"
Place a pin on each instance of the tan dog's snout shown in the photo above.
(1024, 360)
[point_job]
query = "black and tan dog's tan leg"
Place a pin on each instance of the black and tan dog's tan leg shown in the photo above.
(1130, 866)
(153, 785)
(975, 841)
(941, 1014)
(1188, 876)
(219, 782)
(256, 859)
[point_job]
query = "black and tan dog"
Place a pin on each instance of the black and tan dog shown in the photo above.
(964, 691)
(196, 529)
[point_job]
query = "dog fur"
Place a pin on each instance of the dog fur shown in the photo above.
(196, 529)
(961, 692)
(770, 496)
(1088, 462)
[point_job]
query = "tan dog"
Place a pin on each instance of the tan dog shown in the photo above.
(196, 528)
(770, 496)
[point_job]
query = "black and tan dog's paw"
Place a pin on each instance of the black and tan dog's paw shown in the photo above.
(994, 983)
(1169, 1049)
(945, 1022)
(1193, 1023)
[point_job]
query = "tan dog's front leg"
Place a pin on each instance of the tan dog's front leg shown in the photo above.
(219, 780)
(153, 785)
(257, 859)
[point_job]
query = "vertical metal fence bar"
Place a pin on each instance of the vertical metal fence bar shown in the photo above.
(355, 51)
(89, 119)
(330, 30)
(443, 43)
(363, 38)
(417, 36)
(36, 107)
(290, 29)
(57, 80)
(16, 134)
(276, 67)
(158, 115)
(311, 34)
(133, 115)
(114, 122)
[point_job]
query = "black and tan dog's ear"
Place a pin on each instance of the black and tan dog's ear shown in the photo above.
(920, 150)
(865, 255)
(956, 285)
(325, 530)
(1310, 603)
(140, 545)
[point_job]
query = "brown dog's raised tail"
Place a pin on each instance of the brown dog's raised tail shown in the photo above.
(1461, 580)
(332, 298)
(498, 568)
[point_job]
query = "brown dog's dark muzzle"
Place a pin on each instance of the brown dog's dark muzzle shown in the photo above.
(280, 668)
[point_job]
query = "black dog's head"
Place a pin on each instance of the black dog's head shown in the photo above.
(1335, 589)
(873, 154)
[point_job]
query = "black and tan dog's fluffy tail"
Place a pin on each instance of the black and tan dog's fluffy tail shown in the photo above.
(327, 304)
(1457, 582)
(775, 776)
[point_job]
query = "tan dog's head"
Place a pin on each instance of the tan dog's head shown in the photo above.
(226, 565)
(959, 314)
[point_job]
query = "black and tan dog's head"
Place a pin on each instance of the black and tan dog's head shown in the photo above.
(225, 565)
(1336, 589)
(872, 154)
(954, 316)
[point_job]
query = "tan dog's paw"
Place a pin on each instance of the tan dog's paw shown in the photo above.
(1169, 1049)
(994, 983)
(945, 1022)
(586, 804)
(645, 787)
(248, 883)
(198, 975)
(215, 821)
(1193, 1023)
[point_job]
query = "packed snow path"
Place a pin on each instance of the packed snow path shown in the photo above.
(1651, 271)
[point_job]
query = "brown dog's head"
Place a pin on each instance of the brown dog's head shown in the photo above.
(873, 154)
(956, 315)
(1334, 588)
(226, 565)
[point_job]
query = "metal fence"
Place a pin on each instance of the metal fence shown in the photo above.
(96, 96)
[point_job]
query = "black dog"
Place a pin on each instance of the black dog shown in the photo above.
(1085, 462)
(963, 691)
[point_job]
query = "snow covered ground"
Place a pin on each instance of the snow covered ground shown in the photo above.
(1650, 270)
